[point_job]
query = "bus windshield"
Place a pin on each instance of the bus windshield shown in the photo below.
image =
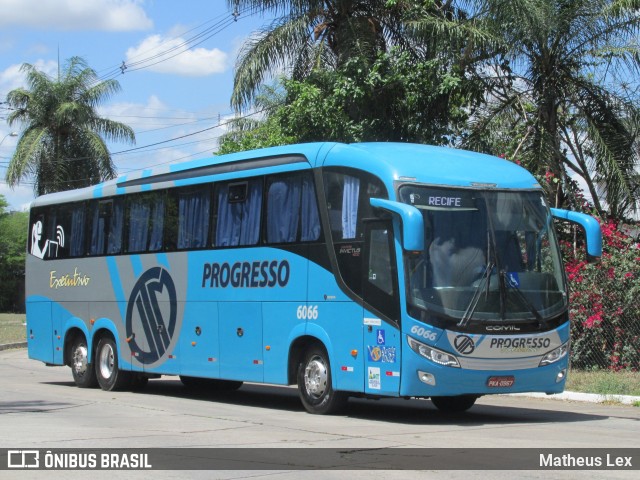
(490, 256)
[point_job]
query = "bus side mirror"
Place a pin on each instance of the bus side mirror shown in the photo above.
(591, 229)
(412, 222)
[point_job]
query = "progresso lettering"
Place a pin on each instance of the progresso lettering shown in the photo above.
(260, 274)
(530, 343)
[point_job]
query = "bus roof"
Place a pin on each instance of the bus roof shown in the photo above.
(392, 162)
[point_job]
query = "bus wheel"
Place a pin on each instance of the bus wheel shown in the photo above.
(314, 384)
(455, 404)
(84, 375)
(110, 377)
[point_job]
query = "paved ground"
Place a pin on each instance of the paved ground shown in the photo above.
(41, 408)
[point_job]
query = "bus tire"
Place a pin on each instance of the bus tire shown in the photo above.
(84, 375)
(110, 377)
(314, 384)
(454, 404)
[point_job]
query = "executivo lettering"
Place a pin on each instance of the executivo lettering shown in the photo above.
(74, 279)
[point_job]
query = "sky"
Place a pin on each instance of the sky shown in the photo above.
(174, 62)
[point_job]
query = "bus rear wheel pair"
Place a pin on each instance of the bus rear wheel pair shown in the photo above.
(104, 372)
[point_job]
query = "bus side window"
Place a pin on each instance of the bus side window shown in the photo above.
(77, 235)
(38, 243)
(145, 222)
(58, 232)
(193, 217)
(348, 192)
(292, 209)
(107, 221)
(238, 213)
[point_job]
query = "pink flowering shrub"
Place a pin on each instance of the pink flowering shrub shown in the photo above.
(605, 302)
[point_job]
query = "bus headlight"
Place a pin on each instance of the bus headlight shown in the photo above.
(554, 355)
(433, 354)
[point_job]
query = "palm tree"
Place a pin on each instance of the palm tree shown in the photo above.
(62, 145)
(307, 34)
(563, 82)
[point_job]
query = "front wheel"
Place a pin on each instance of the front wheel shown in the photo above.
(84, 375)
(110, 377)
(460, 403)
(314, 384)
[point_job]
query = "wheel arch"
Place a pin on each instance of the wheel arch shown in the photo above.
(296, 353)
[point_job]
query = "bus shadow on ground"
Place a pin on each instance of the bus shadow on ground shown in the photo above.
(402, 411)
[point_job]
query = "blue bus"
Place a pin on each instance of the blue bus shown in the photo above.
(373, 269)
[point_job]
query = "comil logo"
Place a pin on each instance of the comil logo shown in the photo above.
(151, 315)
(464, 344)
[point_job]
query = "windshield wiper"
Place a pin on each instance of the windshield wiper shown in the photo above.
(471, 308)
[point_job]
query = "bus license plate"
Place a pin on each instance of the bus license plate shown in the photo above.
(501, 382)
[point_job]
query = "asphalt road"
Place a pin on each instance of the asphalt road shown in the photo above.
(40, 408)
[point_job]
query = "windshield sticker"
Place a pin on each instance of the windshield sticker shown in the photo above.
(513, 280)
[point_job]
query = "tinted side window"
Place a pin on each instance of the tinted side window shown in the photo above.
(238, 213)
(292, 209)
(106, 224)
(145, 222)
(194, 213)
(348, 193)
(58, 231)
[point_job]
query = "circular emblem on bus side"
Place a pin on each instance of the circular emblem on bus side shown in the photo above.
(464, 344)
(151, 315)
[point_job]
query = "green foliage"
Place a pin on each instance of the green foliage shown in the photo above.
(13, 245)
(604, 303)
(309, 34)
(62, 145)
(396, 98)
(253, 135)
(563, 92)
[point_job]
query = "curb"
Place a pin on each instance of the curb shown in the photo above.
(8, 346)
(564, 396)
(584, 397)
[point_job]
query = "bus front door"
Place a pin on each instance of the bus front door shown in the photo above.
(381, 326)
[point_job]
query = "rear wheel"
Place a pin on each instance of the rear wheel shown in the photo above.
(314, 383)
(455, 404)
(84, 375)
(110, 377)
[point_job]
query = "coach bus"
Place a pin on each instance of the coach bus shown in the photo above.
(373, 270)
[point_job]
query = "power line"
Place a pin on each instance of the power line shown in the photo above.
(181, 48)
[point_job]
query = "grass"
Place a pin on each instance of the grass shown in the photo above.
(12, 329)
(603, 382)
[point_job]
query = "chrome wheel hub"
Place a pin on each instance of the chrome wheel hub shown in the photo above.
(80, 360)
(106, 361)
(315, 377)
